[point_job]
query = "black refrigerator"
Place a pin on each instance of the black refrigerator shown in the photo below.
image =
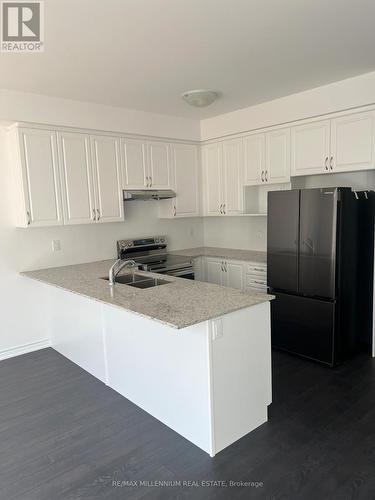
(317, 268)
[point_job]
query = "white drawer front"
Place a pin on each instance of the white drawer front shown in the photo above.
(252, 268)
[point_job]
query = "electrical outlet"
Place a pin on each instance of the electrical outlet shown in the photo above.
(56, 245)
(259, 235)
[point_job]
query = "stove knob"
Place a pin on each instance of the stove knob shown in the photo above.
(162, 240)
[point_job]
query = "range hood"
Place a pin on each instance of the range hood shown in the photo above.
(148, 194)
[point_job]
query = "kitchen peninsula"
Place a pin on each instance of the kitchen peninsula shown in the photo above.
(196, 356)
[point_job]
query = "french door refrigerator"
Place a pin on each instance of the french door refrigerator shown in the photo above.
(313, 248)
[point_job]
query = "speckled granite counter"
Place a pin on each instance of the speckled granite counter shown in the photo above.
(224, 253)
(179, 304)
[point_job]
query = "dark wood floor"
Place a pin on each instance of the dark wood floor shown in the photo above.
(64, 435)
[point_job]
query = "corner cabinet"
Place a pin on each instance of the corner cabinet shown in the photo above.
(185, 176)
(223, 178)
(65, 177)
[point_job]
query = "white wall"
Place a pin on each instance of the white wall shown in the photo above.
(339, 96)
(20, 106)
(236, 232)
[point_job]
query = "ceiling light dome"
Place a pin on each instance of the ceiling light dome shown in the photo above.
(200, 97)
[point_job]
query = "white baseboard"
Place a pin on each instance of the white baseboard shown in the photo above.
(24, 348)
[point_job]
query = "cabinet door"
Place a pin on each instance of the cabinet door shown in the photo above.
(278, 156)
(135, 167)
(186, 179)
(232, 177)
(214, 271)
(310, 148)
(352, 142)
(234, 275)
(40, 176)
(76, 176)
(158, 161)
(212, 162)
(106, 162)
(254, 158)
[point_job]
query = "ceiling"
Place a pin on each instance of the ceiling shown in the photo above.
(142, 54)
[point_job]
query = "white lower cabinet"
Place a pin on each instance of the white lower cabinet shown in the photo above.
(234, 274)
(199, 270)
(224, 272)
(214, 271)
(256, 277)
(249, 277)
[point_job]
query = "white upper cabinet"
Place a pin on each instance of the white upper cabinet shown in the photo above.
(38, 185)
(212, 173)
(254, 151)
(186, 179)
(277, 169)
(232, 177)
(343, 144)
(135, 167)
(76, 178)
(223, 178)
(107, 175)
(158, 160)
(146, 165)
(310, 148)
(352, 142)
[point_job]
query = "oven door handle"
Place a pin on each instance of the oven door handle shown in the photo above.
(180, 273)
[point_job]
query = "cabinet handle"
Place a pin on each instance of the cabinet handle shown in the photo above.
(150, 181)
(259, 282)
(93, 214)
(262, 176)
(224, 209)
(222, 268)
(28, 217)
(326, 163)
(266, 176)
(225, 267)
(99, 215)
(221, 208)
(331, 163)
(174, 210)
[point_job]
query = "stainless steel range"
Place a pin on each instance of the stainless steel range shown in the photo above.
(150, 254)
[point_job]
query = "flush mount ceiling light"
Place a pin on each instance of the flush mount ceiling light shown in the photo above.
(200, 98)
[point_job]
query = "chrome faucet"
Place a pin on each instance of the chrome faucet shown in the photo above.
(116, 268)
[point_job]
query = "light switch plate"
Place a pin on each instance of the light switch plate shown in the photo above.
(56, 245)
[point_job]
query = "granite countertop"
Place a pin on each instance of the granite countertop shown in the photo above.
(224, 253)
(179, 304)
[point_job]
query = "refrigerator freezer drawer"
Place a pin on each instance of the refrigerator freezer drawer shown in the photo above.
(303, 326)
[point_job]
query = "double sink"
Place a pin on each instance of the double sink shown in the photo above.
(139, 280)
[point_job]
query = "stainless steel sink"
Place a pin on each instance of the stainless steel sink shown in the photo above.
(138, 280)
(148, 283)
